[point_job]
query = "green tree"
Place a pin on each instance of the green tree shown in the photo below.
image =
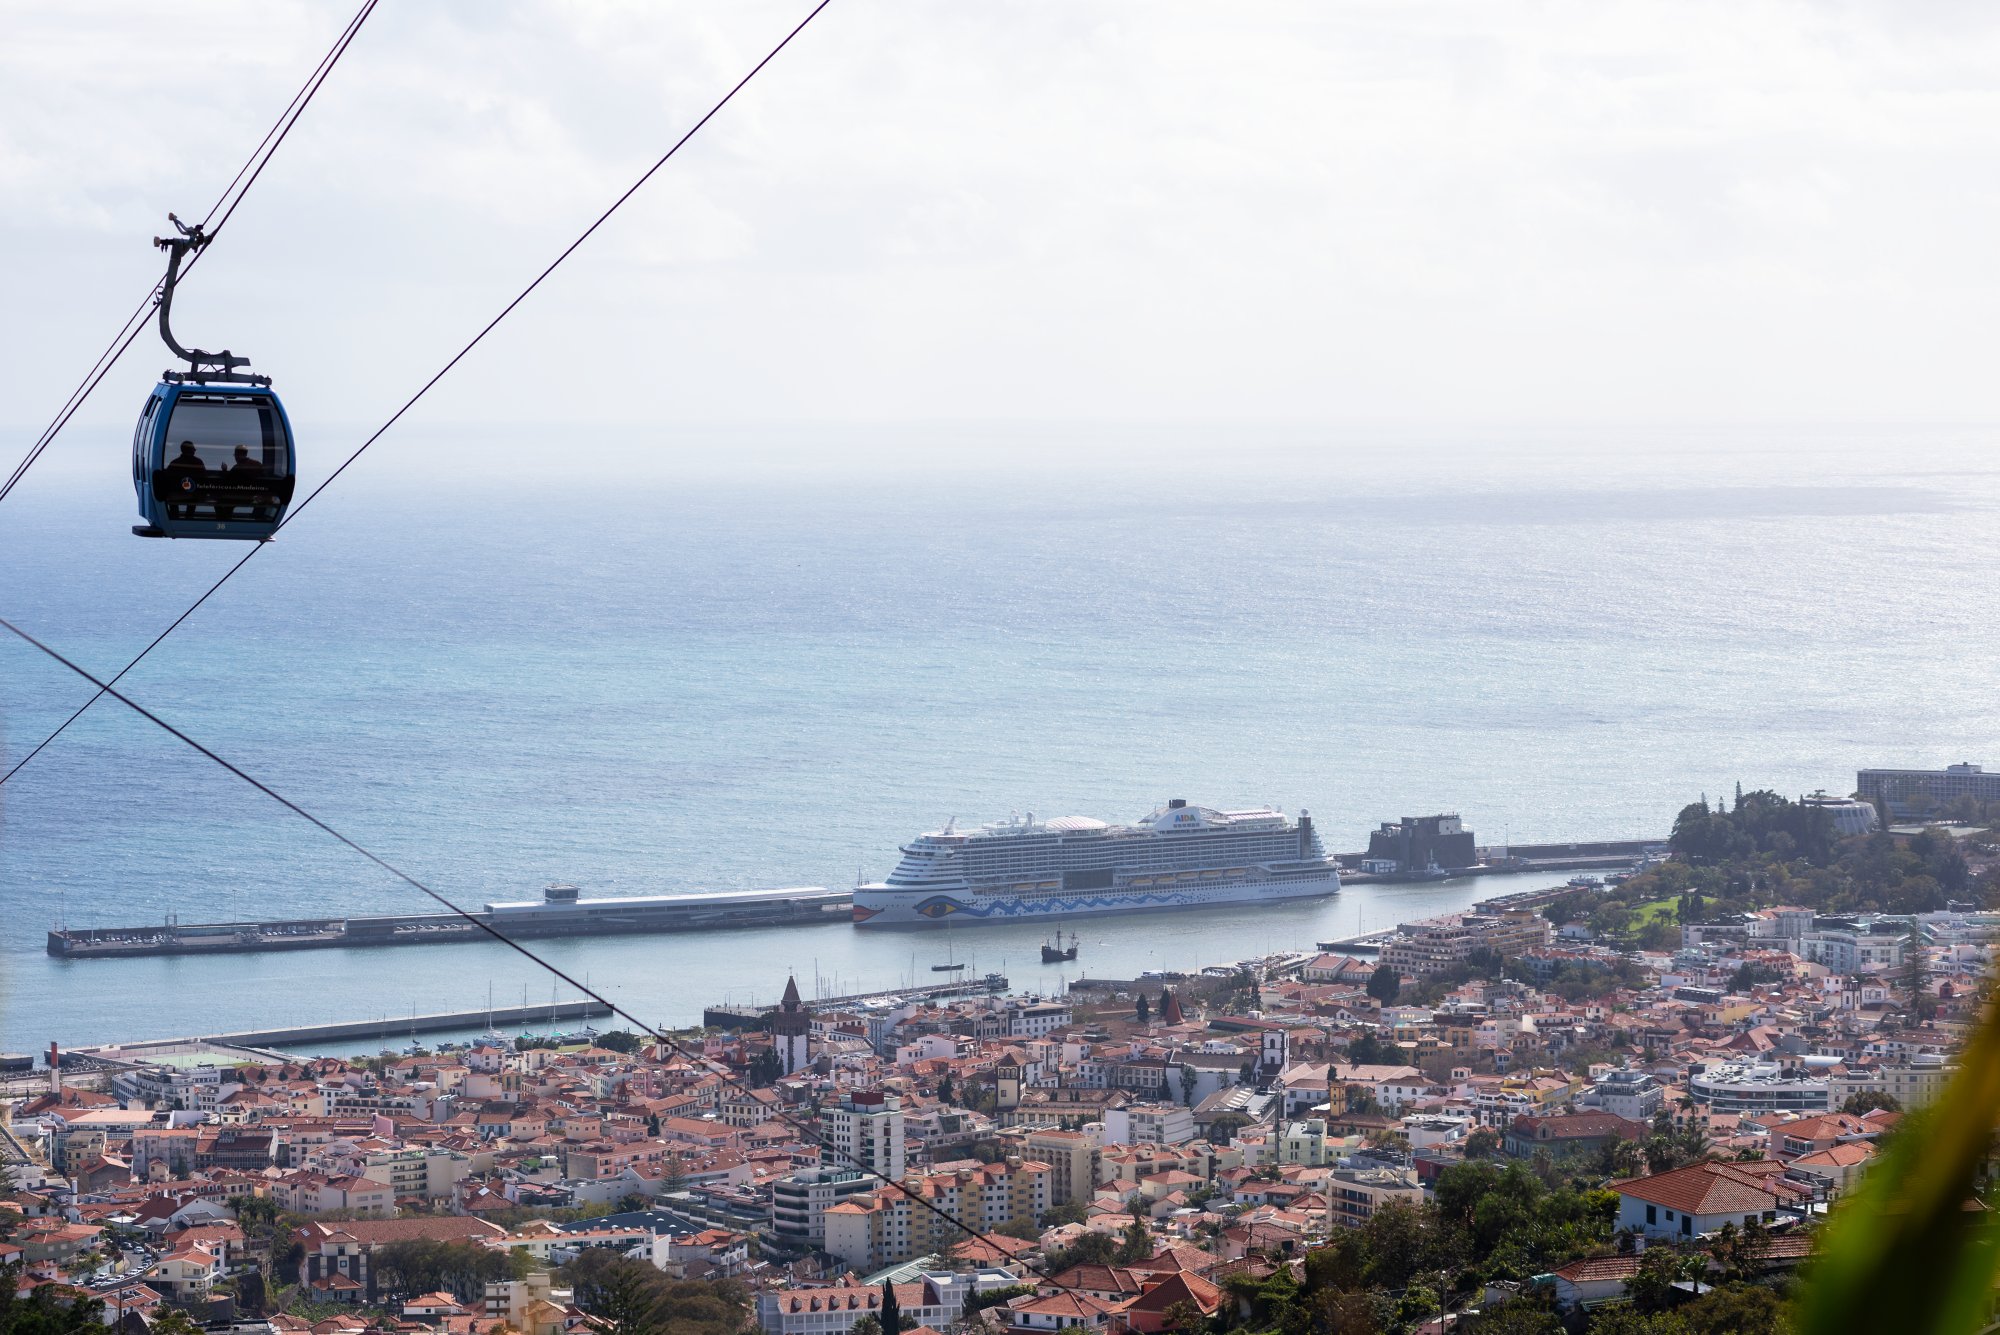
(892, 1311)
(627, 1300)
(41, 1313)
(424, 1265)
(1091, 1248)
(1517, 1316)
(1916, 979)
(1652, 1289)
(1366, 1050)
(1142, 1011)
(1341, 1264)
(1735, 1309)
(620, 1040)
(1483, 1143)
(633, 1298)
(1137, 1246)
(175, 1323)
(1630, 1321)
(1349, 1312)
(1392, 1240)
(979, 1302)
(1385, 983)
(1869, 1100)
(1069, 1212)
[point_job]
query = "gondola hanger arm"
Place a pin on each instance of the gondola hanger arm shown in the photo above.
(192, 240)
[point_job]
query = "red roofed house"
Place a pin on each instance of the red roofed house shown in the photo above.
(433, 1305)
(1582, 1133)
(1058, 1310)
(1836, 1166)
(1147, 1314)
(1594, 1279)
(186, 1273)
(1691, 1201)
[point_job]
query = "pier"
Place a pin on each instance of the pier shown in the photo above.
(1514, 860)
(560, 912)
(387, 1027)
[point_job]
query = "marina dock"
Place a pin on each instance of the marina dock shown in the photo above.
(752, 1017)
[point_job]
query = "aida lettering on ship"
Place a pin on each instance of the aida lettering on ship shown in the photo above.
(1178, 857)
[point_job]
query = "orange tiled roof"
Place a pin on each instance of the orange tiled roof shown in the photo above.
(1700, 1189)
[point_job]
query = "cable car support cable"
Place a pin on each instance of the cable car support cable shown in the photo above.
(712, 1066)
(411, 402)
(103, 688)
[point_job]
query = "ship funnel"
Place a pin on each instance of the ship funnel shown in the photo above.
(1305, 836)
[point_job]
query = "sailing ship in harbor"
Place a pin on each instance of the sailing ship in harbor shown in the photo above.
(1177, 856)
(1053, 952)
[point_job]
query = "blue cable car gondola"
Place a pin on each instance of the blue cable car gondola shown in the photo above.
(212, 455)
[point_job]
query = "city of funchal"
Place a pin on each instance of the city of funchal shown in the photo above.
(1727, 1063)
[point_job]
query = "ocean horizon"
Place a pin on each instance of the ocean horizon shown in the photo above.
(725, 659)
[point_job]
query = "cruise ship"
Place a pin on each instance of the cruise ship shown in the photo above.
(1178, 857)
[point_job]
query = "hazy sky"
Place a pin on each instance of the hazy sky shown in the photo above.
(1375, 211)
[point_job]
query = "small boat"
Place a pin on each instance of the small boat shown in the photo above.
(1055, 954)
(946, 968)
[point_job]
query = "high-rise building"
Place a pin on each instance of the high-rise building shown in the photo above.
(865, 1132)
(791, 1031)
(799, 1202)
(1926, 792)
(930, 1212)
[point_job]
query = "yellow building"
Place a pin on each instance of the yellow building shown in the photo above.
(889, 1226)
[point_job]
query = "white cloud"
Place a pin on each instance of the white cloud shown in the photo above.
(1084, 209)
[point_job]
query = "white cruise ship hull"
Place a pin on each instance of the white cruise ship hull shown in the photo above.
(882, 905)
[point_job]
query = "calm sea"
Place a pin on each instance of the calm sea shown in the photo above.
(644, 661)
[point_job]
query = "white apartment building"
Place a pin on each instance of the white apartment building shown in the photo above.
(1149, 1123)
(935, 1299)
(865, 1132)
(1853, 952)
(1758, 1087)
(1632, 1095)
(799, 1203)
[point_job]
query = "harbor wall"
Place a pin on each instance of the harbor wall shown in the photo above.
(386, 1027)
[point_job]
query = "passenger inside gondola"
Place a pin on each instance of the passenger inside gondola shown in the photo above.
(246, 472)
(188, 463)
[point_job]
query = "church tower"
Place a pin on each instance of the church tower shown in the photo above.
(1006, 1088)
(791, 1031)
